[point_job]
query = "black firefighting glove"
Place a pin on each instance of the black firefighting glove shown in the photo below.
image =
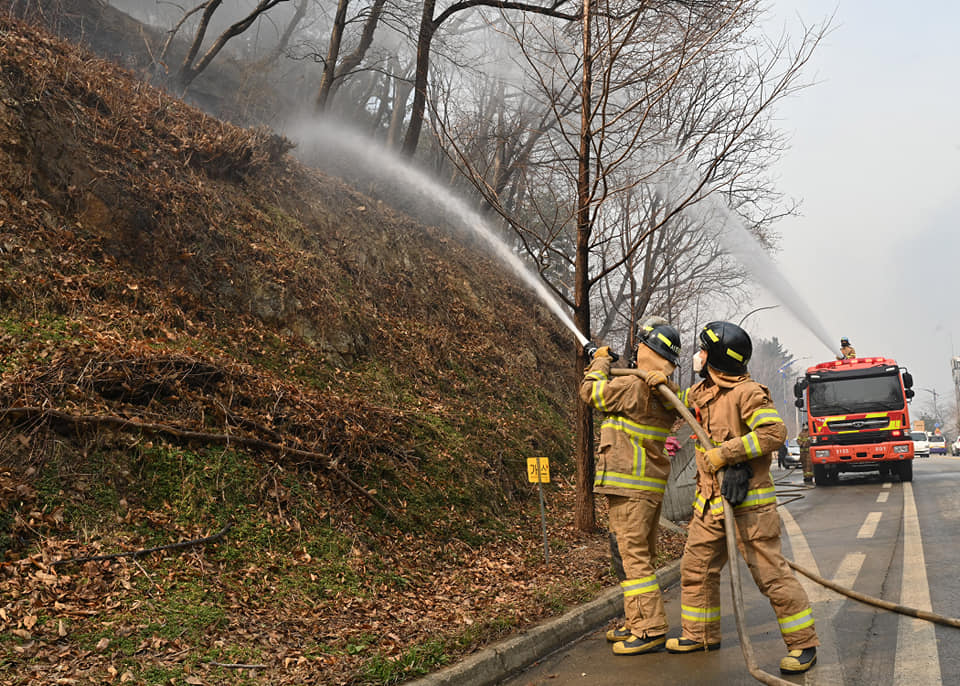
(736, 482)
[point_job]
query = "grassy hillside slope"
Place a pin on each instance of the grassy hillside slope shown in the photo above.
(199, 335)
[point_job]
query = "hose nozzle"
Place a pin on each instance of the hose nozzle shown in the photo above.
(591, 349)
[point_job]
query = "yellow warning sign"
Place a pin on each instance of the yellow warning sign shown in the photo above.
(538, 470)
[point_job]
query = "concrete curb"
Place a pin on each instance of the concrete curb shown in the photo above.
(492, 665)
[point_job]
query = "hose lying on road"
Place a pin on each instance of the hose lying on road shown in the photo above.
(878, 602)
(730, 531)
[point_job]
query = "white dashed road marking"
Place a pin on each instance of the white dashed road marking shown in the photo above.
(882, 497)
(869, 527)
(828, 671)
(917, 661)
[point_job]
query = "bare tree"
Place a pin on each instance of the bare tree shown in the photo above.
(191, 67)
(663, 89)
(429, 24)
(335, 68)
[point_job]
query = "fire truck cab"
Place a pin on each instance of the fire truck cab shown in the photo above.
(857, 417)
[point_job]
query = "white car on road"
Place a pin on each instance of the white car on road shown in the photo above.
(955, 447)
(921, 445)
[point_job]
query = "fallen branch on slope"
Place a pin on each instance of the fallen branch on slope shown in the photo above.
(215, 538)
(190, 434)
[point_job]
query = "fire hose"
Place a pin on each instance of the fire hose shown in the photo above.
(735, 587)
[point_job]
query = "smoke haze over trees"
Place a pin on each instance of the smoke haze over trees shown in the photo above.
(565, 132)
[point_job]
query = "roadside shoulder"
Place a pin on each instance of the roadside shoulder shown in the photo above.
(495, 663)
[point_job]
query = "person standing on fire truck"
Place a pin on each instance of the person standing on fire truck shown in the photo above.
(632, 470)
(846, 350)
(745, 430)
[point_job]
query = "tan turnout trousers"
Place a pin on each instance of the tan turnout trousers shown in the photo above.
(758, 538)
(635, 522)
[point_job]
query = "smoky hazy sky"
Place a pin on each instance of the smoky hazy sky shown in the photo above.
(875, 161)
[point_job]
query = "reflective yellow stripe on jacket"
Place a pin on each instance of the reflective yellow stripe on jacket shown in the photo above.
(599, 386)
(765, 415)
(750, 441)
(635, 430)
(630, 481)
(635, 433)
(755, 496)
(716, 505)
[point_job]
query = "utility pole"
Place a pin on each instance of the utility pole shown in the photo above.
(936, 409)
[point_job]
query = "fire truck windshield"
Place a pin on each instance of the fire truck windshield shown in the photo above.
(861, 394)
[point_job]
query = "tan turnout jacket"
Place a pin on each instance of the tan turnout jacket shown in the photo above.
(631, 459)
(848, 352)
(740, 418)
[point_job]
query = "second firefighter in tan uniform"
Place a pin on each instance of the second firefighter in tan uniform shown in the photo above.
(803, 442)
(745, 429)
(632, 470)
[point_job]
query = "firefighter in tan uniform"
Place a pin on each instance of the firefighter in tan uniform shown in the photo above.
(632, 471)
(847, 351)
(803, 442)
(745, 430)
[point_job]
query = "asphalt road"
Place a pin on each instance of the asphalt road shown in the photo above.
(890, 540)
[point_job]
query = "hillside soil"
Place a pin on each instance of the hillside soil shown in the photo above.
(200, 337)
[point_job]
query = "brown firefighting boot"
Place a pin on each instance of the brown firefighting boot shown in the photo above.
(638, 646)
(621, 634)
(689, 645)
(798, 661)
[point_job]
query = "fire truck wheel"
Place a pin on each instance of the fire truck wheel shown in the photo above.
(820, 474)
(906, 471)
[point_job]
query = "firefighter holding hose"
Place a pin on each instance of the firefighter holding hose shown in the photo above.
(745, 430)
(803, 441)
(632, 470)
(847, 351)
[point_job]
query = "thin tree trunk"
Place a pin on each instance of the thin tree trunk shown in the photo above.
(189, 71)
(425, 38)
(401, 95)
(383, 107)
(584, 515)
(333, 53)
(353, 60)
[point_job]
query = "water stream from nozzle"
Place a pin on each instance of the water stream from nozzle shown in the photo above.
(325, 138)
(733, 236)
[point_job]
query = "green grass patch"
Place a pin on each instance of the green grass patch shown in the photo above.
(416, 661)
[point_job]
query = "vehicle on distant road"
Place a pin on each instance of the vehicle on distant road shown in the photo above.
(938, 444)
(789, 459)
(955, 447)
(921, 443)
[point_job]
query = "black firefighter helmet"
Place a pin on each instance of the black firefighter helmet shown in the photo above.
(728, 347)
(664, 340)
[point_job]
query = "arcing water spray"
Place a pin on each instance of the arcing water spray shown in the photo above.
(734, 237)
(320, 138)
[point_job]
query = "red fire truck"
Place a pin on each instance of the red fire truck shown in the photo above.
(857, 417)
